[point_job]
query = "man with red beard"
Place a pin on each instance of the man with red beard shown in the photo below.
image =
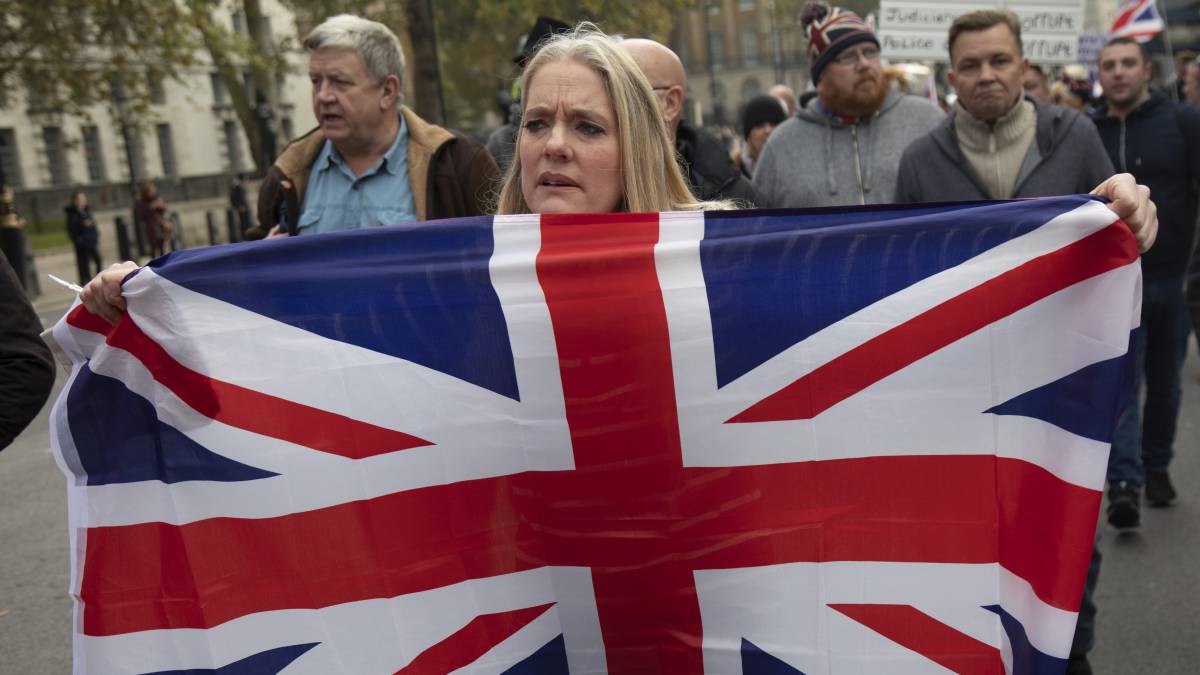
(844, 145)
(998, 143)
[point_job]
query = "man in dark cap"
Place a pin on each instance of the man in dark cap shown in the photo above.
(843, 147)
(759, 118)
(502, 141)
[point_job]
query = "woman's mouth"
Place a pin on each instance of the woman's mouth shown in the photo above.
(555, 180)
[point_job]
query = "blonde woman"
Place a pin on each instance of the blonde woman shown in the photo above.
(592, 139)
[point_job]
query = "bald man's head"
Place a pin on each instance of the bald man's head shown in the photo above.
(784, 93)
(665, 72)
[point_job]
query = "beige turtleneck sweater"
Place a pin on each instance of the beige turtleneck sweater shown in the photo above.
(997, 152)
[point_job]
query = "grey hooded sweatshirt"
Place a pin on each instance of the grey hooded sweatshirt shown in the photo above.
(815, 159)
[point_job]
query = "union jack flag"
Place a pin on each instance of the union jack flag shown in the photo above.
(756, 442)
(1138, 19)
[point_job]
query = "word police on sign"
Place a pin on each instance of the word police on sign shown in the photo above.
(917, 30)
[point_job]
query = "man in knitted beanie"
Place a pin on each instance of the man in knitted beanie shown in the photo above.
(843, 147)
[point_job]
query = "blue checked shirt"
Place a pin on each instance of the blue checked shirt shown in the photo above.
(336, 199)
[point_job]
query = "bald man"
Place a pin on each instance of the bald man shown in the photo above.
(784, 93)
(704, 160)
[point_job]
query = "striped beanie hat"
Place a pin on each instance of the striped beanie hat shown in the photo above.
(830, 30)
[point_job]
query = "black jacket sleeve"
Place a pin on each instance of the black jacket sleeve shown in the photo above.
(907, 191)
(741, 190)
(1097, 166)
(74, 224)
(1189, 123)
(26, 367)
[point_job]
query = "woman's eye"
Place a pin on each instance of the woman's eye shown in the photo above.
(589, 129)
(533, 126)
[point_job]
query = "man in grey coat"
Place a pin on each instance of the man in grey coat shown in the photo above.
(998, 143)
(844, 146)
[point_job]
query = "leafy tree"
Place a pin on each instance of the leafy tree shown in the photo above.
(476, 41)
(70, 54)
(230, 53)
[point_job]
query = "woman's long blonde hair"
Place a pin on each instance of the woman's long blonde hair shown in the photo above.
(650, 176)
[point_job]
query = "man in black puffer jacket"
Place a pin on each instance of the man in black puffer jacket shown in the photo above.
(704, 160)
(1159, 143)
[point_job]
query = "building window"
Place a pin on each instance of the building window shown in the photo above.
(116, 88)
(239, 23)
(36, 99)
(715, 51)
(154, 86)
(56, 155)
(135, 152)
(750, 48)
(248, 86)
(93, 154)
(718, 91)
(233, 146)
(288, 127)
(166, 149)
(9, 160)
(714, 6)
(746, 5)
(750, 89)
(218, 89)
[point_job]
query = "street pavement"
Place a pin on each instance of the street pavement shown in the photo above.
(1149, 592)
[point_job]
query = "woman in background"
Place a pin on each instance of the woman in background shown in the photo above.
(81, 228)
(152, 211)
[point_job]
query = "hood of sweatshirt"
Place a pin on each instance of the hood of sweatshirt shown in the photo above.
(815, 112)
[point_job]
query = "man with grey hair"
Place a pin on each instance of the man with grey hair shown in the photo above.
(371, 161)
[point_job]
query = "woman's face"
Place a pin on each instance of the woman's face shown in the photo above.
(758, 138)
(570, 159)
(80, 200)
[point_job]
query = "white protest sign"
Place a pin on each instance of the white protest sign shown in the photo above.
(917, 31)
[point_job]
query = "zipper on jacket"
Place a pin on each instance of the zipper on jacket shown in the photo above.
(862, 195)
(1121, 148)
(995, 161)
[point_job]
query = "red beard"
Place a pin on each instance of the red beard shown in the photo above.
(864, 98)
